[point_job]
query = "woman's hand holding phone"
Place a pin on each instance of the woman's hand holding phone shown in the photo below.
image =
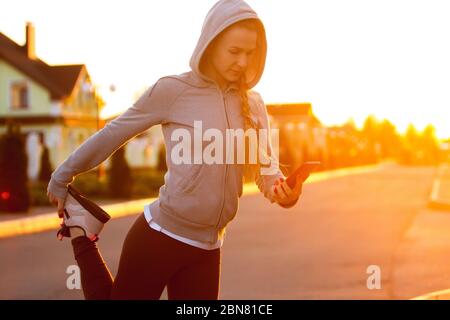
(286, 192)
(284, 195)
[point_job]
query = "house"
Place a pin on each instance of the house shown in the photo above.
(302, 137)
(144, 150)
(54, 105)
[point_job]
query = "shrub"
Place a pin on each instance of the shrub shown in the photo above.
(120, 182)
(45, 171)
(14, 195)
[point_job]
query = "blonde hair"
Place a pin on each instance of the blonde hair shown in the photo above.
(250, 24)
(249, 170)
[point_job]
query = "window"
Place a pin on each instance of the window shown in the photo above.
(19, 95)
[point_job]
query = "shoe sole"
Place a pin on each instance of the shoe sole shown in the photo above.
(89, 205)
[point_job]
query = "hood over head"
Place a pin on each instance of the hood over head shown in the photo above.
(222, 15)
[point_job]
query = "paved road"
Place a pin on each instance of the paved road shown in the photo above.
(321, 248)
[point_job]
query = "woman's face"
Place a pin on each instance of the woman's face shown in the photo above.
(231, 53)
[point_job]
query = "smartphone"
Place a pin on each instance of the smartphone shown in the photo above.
(303, 171)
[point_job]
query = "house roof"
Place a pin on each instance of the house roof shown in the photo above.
(289, 109)
(59, 80)
(293, 110)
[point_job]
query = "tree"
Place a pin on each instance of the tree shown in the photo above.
(411, 143)
(120, 182)
(429, 144)
(162, 166)
(412, 137)
(46, 170)
(14, 195)
(389, 139)
(370, 129)
(370, 133)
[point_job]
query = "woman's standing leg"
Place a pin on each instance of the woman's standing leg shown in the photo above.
(140, 275)
(199, 280)
(149, 259)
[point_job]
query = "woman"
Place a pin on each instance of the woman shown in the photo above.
(176, 240)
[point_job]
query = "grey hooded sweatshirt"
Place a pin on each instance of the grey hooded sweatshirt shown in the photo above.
(197, 201)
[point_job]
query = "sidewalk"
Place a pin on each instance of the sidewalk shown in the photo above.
(39, 222)
(423, 259)
(42, 210)
(42, 219)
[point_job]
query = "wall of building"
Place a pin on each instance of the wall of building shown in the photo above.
(39, 98)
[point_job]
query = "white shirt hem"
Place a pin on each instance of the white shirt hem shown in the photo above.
(195, 243)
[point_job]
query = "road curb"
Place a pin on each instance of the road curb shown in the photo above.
(50, 221)
(436, 295)
(436, 202)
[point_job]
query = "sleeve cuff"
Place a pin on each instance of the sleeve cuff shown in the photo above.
(58, 189)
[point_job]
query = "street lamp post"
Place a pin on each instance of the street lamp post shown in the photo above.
(100, 168)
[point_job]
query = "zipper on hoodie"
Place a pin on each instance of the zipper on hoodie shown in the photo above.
(226, 164)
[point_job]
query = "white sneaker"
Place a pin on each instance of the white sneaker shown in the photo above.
(82, 213)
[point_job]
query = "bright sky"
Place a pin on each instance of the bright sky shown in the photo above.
(349, 58)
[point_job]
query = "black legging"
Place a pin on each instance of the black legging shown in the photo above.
(149, 261)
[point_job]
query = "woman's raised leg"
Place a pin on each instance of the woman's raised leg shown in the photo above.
(96, 278)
